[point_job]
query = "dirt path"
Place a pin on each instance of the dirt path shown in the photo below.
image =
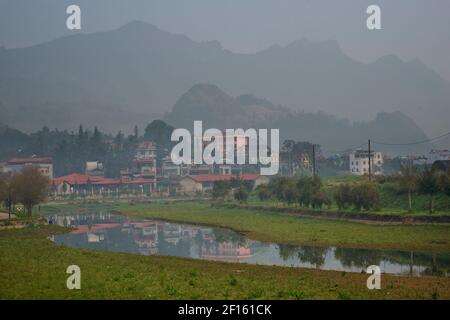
(4, 216)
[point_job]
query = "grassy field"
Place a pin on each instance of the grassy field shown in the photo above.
(35, 268)
(288, 229)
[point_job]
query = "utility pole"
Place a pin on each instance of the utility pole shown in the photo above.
(314, 159)
(370, 164)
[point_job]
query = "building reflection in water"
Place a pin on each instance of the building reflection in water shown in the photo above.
(156, 237)
(109, 232)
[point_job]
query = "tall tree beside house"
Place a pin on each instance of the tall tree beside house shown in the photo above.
(2, 189)
(295, 153)
(343, 196)
(264, 192)
(241, 194)
(8, 194)
(160, 133)
(444, 182)
(221, 189)
(31, 188)
(120, 155)
(408, 182)
(428, 184)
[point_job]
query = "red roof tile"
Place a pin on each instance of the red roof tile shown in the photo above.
(143, 161)
(30, 160)
(218, 177)
(77, 179)
(139, 181)
(82, 179)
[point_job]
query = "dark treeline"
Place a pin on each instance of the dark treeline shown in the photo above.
(71, 150)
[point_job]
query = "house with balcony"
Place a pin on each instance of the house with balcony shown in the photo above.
(359, 162)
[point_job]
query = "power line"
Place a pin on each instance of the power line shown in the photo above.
(344, 150)
(412, 143)
(388, 144)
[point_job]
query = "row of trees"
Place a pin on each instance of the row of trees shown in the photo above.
(71, 150)
(28, 188)
(306, 191)
(240, 190)
(361, 196)
(427, 181)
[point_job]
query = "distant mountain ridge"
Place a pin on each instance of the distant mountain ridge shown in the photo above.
(217, 109)
(108, 117)
(143, 70)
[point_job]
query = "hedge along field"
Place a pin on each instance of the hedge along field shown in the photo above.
(284, 228)
(35, 268)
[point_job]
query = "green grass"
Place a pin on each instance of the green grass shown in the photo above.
(34, 268)
(394, 201)
(284, 228)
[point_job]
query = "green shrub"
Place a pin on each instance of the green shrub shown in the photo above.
(365, 196)
(343, 196)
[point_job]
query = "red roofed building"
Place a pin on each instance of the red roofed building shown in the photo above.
(45, 165)
(144, 162)
(85, 184)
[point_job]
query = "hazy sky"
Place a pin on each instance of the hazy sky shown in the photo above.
(411, 28)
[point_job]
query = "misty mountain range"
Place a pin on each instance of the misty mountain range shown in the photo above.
(137, 73)
(217, 109)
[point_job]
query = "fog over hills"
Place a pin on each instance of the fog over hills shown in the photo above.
(217, 109)
(136, 72)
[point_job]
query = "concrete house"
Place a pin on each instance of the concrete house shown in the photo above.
(191, 185)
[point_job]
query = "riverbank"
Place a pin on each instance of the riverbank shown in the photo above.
(35, 268)
(279, 227)
(368, 217)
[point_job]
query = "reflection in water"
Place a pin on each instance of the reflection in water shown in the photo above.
(105, 231)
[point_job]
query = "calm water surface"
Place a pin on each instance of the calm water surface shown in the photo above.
(108, 232)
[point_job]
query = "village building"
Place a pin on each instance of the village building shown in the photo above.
(94, 168)
(359, 162)
(81, 184)
(169, 169)
(16, 165)
(191, 185)
(143, 166)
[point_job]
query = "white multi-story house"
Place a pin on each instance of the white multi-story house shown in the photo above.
(359, 162)
(146, 150)
(94, 168)
(144, 163)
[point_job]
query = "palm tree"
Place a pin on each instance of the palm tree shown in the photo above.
(428, 184)
(408, 182)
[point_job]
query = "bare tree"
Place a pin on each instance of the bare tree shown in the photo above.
(8, 195)
(3, 191)
(31, 188)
